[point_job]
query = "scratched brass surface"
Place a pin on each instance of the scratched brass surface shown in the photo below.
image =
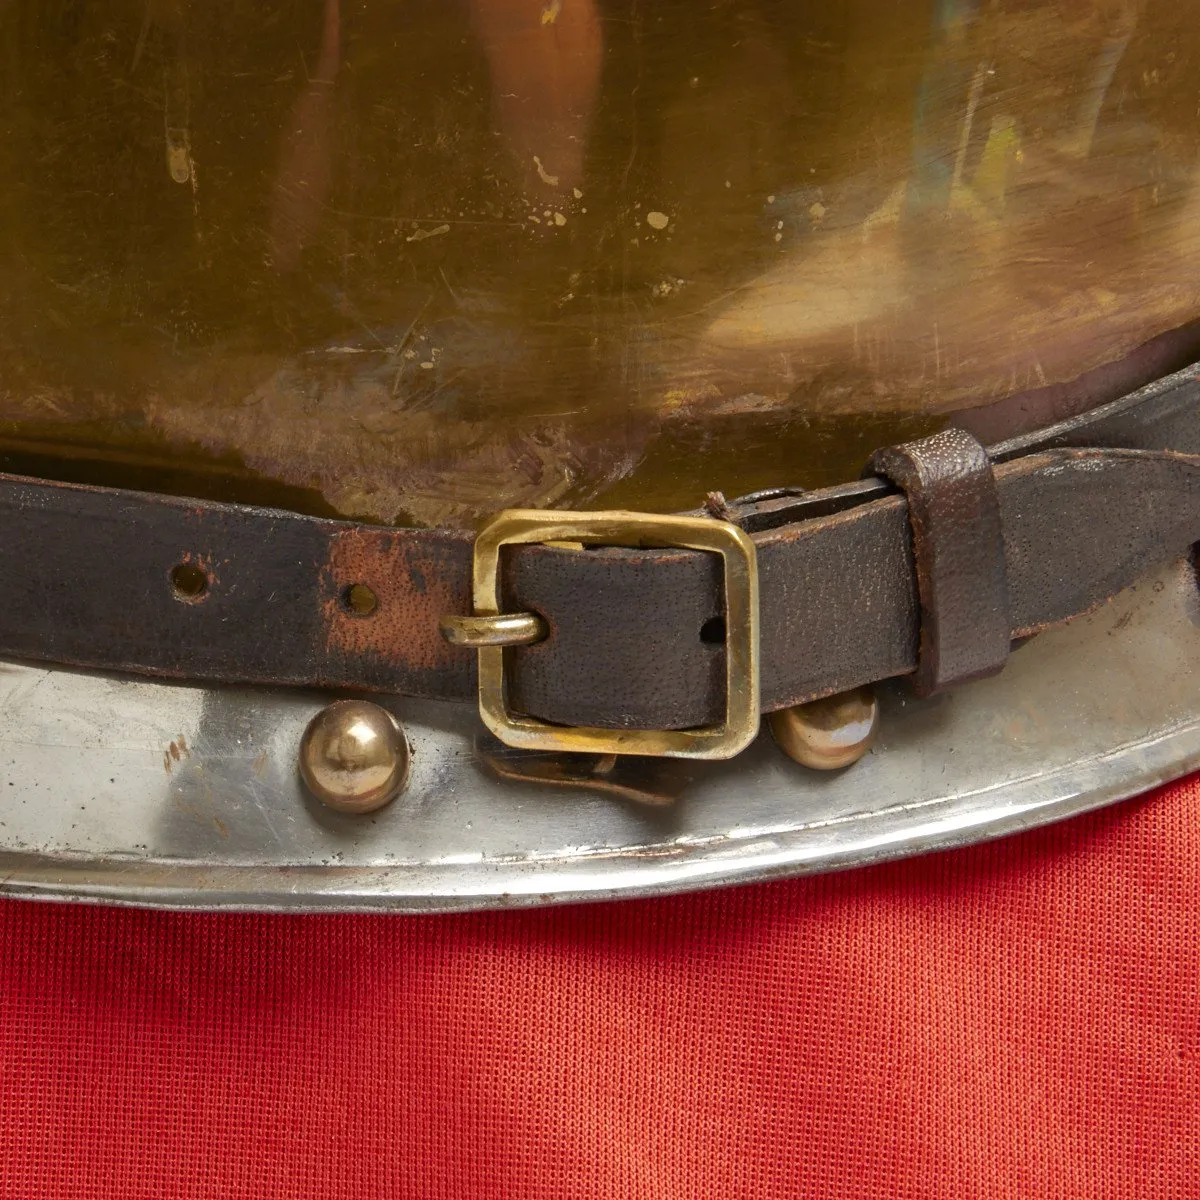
(420, 261)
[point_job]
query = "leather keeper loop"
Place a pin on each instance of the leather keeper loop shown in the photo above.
(958, 548)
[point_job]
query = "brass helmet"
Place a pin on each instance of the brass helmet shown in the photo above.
(414, 264)
(411, 265)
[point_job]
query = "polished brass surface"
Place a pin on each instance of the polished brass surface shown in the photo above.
(418, 262)
(740, 727)
(354, 756)
(828, 734)
(505, 629)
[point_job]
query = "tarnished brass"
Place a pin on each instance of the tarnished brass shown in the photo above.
(523, 526)
(354, 756)
(505, 629)
(418, 262)
(830, 733)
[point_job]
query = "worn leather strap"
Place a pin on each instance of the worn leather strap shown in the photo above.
(86, 578)
(958, 551)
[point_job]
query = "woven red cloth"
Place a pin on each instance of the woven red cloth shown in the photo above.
(1020, 1019)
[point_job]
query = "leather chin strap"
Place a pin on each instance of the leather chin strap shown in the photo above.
(1045, 528)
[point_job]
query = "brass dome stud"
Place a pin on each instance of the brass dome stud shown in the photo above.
(354, 756)
(828, 734)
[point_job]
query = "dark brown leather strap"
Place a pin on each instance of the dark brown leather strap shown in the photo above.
(86, 578)
(838, 593)
(958, 549)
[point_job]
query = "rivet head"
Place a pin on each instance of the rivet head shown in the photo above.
(830, 733)
(354, 756)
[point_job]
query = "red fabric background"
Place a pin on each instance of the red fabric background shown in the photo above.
(1017, 1019)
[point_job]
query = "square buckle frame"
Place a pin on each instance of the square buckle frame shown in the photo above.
(628, 529)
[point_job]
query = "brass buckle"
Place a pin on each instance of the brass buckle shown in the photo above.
(524, 526)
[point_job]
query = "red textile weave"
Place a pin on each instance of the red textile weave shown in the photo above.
(1020, 1019)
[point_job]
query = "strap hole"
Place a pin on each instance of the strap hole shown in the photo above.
(359, 600)
(189, 581)
(712, 632)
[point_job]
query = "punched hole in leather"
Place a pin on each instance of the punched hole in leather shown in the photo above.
(958, 548)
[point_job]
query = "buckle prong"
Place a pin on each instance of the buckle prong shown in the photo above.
(504, 629)
(490, 631)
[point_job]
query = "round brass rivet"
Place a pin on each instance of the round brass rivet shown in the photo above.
(830, 733)
(354, 756)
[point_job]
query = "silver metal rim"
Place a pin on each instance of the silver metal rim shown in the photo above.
(123, 791)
